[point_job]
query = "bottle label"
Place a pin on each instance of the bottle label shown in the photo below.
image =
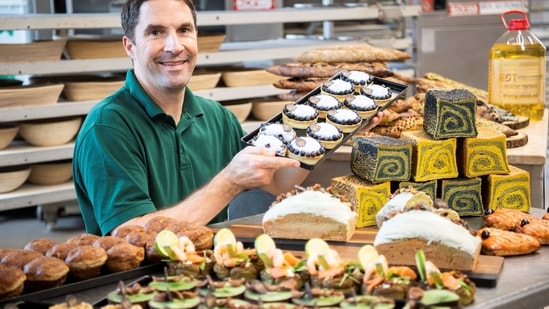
(518, 81)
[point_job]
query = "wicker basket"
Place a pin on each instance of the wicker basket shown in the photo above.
(265, 109)
(241, 108)
(50, 173)
(7, 135)
(94, 47)
(35, 51)
(208, 43)
(13, 177)
(90, 90)
(204, 80)
(50, 132)
(32, 95)
(249, 77)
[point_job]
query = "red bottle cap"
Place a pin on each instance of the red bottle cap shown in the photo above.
(515, 24)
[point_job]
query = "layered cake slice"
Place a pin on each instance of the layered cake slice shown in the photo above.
(508, 191)
(450, 113)
(484, 154)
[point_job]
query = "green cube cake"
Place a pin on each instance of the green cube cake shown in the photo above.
(381, 158)
(507, 191)
(429, 187)
(484, 154)
(464, 195)
(450, 113)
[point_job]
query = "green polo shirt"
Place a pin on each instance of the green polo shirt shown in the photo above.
(131, 159)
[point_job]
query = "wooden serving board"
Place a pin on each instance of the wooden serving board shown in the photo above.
(485, 274)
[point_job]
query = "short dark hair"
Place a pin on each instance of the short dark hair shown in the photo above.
(130, 15)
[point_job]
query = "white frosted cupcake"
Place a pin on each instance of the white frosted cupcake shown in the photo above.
(324, 103)
(283, 131)
(359, 79)
(271, 143)
(327, 134)
(306, 149)
(299, 116)
(337, 88)
(345, 119)
(380, 93)
(363, 105)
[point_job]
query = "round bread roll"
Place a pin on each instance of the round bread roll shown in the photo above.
(85, 262)
(41, 245)
(61, 250)
(11, 282)
(124, 230)
(6, 251)
(138, 238)
(83, 239)
(106, 242)
(45, 272)
(20, 257)
(200, 235)
(159, 223)
(124, 256)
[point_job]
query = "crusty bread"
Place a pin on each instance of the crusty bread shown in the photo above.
(85, 262)
(41, 245)
(11, 282)
(44, 273)
(124, 256)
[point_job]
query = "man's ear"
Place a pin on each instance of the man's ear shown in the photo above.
(128, 46)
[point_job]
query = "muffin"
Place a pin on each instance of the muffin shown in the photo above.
(380, 93)
(61, 250)
(159, 223)
(45, 272)
(138, 238)
(359, 79)
(306, 149)
(124, 230)
(283, 131)
(270, 143)
(124, 256)
(324, 103)
(20, 257)
(106, 242)
(83, 239)
(40, 245)
(86, 262)
(12, 281)
(200, 235)
(345, 119)
(363, 105)
(337, 88)
(151, 254)
(299, 116)
(327, 134)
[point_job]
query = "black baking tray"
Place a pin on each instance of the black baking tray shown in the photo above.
(398, 90)
(34, 299)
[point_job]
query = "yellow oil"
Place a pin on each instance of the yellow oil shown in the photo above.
(516, 79)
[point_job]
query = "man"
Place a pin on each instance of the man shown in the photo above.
(153, 148)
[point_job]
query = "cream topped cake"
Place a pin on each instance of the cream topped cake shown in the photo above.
(327, 134)
(380, 93)
(363, 105)
(271, 143)
(345, 119)
(447, 244)
(310, 214)
(337, 88)
(324, 103)
(283, 131)
(359, 79)
(299, 116)
(306, 149)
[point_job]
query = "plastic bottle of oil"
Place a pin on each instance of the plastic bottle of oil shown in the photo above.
(516, 71)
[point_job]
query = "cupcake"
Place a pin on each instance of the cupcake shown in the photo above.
(380, 93)
(306, 149)
(299, 116)
(324, 103)
(327, 134)
(271, 143)
(45, 272)
(12, 281)
(363, 105)
(283, 131)
(85, 262)
(338, 88)
(359, 79)
(345, 119)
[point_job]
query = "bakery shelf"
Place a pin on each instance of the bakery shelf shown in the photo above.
(21, 153)
(61, 109)
(30, 195)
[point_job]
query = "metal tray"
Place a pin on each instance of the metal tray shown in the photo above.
(398, 90)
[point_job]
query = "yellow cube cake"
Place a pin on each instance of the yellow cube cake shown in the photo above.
(431, 159)
(366, 197)
(484, 154)
(429, 187)
(463, 195)
(508, 191)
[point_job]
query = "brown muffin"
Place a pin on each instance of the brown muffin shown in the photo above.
(159, 223)
(124, 256)
(20, 257)
(45, 272)
(6, 251)
(85, 262)
(200, 235)
(150, 251)
(61, 250)
(11, 282)
(124, 230)
(106, 242)
(138, 238)
(41, 245)
(83, 239)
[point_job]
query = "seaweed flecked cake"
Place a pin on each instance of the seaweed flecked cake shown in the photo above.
(463, 195)
(366, 197)
(432, 159)
(428, 187)
(450, 113)
(381, 158)
(484, 154)
(508, 191)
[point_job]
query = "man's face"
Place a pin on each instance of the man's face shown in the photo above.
(165, 48)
